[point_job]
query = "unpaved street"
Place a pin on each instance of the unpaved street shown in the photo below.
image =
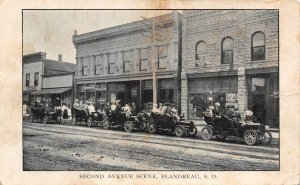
(68, 147)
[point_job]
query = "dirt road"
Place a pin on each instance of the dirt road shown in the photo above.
(68, 147)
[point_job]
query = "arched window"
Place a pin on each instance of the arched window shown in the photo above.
(200, 51)
(258, 46)
(227, 50)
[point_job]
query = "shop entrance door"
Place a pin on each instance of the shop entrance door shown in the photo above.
(259, 107)
(121, 96)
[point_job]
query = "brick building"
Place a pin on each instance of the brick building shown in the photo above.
(115, 63)
(231, 56)
(47, 80)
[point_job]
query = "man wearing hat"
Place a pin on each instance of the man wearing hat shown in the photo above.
(216, 111)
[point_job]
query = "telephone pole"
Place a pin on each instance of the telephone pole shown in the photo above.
(153, 37)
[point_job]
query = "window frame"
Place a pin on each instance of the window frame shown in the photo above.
(196, 49)
(36, 80)
(143, 59)
(231, 50)
(27, 81)
(82, 70)
(96, 64)
(263, 46)
(95, 69)
(162, 57)
(111, 65)
(126, 61)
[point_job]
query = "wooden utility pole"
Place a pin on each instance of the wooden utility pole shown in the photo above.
(153, 36)
(153, 60)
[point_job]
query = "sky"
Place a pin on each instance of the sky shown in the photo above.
(51, 31)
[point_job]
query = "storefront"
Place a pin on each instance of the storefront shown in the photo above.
(94, 93)
(204, 92)
(138, 91)
(263, 96)
(55, 97)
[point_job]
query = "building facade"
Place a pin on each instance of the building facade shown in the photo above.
(44, 78)
(116, 63)
(231, 57)
(57, 89)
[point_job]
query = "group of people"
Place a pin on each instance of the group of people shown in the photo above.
(86, 106)
(166, 109)
(129, 108)
(230, 115)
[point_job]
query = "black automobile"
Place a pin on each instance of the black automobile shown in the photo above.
(120, 119)
(250, 132)
(165, 122)
(90, 119)
(43, 114)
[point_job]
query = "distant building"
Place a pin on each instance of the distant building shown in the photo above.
(47, 80)
(231, 57)
(115, 63)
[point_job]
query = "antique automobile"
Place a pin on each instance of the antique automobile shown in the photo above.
(164, 122)
(90, 119)
(43, 114)
(120, 119)
(249, 131)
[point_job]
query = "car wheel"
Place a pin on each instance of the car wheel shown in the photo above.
(206, 133)
(106, 124)
(58, 119)
(89, 122)
(128, 126)
(143, 125)
(179, 130)
(74, 121)
(31, 118)
(45, 120)
(267, 137)
(152, 128)
(192, 132)
(250, 137)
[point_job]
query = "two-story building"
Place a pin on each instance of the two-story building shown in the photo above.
(116, 62)
(47, 80)
(231, 57)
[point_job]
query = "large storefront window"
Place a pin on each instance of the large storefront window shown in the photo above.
(147, 94)
(204, 92)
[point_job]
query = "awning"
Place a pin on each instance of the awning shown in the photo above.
(52, 91)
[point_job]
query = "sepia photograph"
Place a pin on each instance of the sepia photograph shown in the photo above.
(150, 90)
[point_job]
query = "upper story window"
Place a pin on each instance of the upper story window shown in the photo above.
(112, 63)
(36, 79)
(144, 64)
(27, 79)
(200, 51)
(258, 46)
(162, 57)
(98, 63)
(85, 66)
(126, 61)
(227, 50)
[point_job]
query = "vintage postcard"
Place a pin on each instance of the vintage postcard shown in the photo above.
(167, 92)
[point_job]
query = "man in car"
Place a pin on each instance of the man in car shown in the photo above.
(91, 108)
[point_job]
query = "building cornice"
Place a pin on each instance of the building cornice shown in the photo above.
(120, 29)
